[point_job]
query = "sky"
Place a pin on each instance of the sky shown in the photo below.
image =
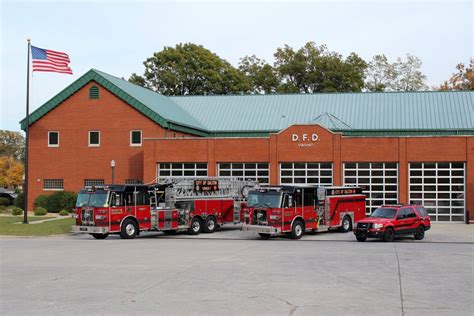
(117, 36)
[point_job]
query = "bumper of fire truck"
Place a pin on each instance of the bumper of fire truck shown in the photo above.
(261, 229)
(89, 230)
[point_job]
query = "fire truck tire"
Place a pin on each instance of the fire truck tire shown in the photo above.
(297, 230)
(346, 225)
(129, 229)
(100, 236)
(196, 226)
(264, 235)
(361, 238)
(389, 234)
(210, 225)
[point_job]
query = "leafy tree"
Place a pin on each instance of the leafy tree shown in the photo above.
(12, 144)
(314, 68)
(190, 69)
(381, 75)
(262, 76)
(11, 172)
(462, 80)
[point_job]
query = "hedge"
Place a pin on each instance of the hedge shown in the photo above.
(57, 201)
(20, 201)
(17, 211)
(40, 211)
(4, 201)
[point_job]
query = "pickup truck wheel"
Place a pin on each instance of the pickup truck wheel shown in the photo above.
(297, 230)
(361, 238)
(264, 235)
(195, 227)
(210, 225)
(346, 224)
(389, 234)
(420, 233)
(100, 236)
(129, 229)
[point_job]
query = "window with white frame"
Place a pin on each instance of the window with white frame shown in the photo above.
(379, 181)
(93, 182)
(440, 187)
(133, 181)
(53, 139)
(246, 171)
(182, 169)
(136, 138)
(94, 138)
(306, 172)
(53, 184)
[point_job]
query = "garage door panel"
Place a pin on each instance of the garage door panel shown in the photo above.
(306, 173)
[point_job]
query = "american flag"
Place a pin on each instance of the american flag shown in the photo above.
(50, 60)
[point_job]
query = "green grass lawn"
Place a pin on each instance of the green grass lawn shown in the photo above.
(57, 227)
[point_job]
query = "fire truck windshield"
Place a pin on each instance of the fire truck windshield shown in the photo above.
(264, 199)
(95, 199)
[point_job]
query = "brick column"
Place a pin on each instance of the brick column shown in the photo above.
(402, 171)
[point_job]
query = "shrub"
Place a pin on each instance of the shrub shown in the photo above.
(4, 201)
(17, 211)
(63, 213)
(20, 201)
(40, 211)
(41, 201)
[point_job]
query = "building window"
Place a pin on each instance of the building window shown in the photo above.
(53, 139)
(246, 171)
(306, 173)
(133, 181)
(440, 187)
(94, 139)
(378, 180)
(94, 92)
(94, 183)
(53, 184)
(135, 138)
(186, 169)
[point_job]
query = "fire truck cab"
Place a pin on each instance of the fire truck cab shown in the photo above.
(295, 209)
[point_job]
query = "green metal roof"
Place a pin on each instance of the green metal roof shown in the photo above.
(356, 114)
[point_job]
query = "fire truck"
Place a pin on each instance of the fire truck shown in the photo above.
(296, 209)
(176, 204)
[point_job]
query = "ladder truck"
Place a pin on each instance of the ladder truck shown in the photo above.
(173, 205)
(295, 209)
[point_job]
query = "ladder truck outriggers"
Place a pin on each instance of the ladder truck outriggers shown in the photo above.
(194, 205)
(294, 209)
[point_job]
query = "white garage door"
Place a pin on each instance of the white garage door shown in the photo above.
(185, 169)
(246, 171)
(379, 181)
(440, 187)
(306, 172)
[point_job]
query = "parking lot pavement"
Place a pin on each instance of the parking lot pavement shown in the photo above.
(161, 275)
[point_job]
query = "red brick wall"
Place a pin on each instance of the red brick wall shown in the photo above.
(73, 160)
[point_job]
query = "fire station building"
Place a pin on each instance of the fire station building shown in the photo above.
(402, 147)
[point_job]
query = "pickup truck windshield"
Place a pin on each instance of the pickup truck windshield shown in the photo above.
(384, 213)
(92, 199)
(264, 199)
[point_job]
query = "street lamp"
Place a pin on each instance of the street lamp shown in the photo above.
(112, 165)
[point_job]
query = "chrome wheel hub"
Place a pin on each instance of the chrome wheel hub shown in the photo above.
(346, 224)
(211, 225)
(298, 230)
(196, 226)
(130, 229)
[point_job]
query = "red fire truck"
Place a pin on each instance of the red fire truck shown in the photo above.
(295, 209)
(191, 205)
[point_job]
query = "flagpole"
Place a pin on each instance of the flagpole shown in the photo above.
(25, 189)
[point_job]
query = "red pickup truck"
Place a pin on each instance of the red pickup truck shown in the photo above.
(389, 221)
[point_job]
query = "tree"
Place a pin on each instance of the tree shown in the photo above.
(190, 69)
(12, 144)
(262, 76)
(11, 172)
(381, 75)
(314, 68)
(462, 80)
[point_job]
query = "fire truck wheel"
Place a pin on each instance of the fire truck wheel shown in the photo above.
(196, 226)
(210, 225)
(389, 234)
(346, 224)
(100, 236)
(297, 230)
(129, 229)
